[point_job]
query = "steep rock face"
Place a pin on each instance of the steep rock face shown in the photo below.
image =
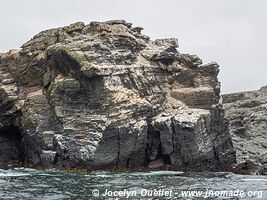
(10, 136)
(247, 113)
(105, 96)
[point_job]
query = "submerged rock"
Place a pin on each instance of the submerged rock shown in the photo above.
(247, 113)
(105, 96)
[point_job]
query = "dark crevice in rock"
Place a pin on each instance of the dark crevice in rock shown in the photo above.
(166, 61)
(173, 138)
(11, 152)
(216, 156)
(154, 151)
(128, 163)
(165, 158)
(153, 142)
(119, 149)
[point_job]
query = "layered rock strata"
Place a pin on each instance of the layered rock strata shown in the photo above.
(104, 96)
(247, 113)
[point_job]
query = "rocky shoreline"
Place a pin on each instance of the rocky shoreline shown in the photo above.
(247, 114)
(105, 96)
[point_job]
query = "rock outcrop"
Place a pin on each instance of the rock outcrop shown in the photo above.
(247, 113)
(103, 96)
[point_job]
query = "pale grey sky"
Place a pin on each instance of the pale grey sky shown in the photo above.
(230, 32)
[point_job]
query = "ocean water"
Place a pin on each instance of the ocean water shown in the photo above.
(48, 185)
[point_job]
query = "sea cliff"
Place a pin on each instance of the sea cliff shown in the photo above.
(105, 96)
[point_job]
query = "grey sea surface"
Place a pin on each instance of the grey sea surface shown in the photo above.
(54, 185)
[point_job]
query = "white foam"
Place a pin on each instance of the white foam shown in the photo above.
(254, 179)
(158, 173)
(12, 174)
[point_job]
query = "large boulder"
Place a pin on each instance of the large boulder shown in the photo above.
(103, 96)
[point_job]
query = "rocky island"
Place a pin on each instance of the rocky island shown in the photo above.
(247, 114)
(105, 96)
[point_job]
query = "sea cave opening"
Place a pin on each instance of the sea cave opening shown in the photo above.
(10, 145)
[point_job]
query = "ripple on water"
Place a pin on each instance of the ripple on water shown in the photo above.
(32, 184)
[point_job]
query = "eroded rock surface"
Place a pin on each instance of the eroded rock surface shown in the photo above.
(247, 113)
(105, 96)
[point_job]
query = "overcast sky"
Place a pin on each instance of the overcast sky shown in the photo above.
(230, 32)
